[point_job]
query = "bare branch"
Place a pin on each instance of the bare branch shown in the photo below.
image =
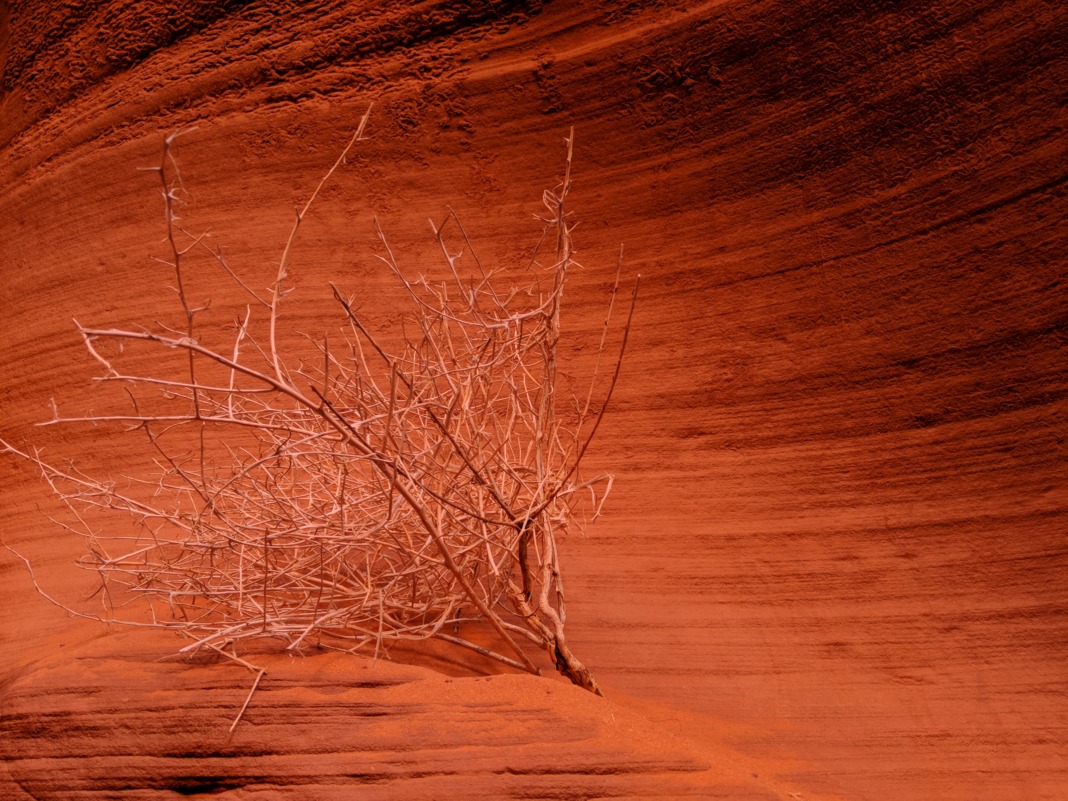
(375, 501)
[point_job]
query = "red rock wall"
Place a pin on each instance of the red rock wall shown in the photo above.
(839, 516)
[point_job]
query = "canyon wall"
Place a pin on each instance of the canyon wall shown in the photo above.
(836, 542)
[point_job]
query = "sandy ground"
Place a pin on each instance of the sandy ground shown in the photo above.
(833, 564)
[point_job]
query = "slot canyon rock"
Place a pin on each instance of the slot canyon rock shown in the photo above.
(834, 563)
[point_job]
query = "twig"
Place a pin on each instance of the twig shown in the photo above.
(244, 706)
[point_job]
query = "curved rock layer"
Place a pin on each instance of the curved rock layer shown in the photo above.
(340, 727)
(838, 523)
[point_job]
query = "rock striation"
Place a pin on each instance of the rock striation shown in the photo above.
(837, 532)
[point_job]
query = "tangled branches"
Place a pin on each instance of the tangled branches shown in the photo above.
(390, 492)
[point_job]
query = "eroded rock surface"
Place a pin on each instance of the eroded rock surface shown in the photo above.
(95, 723)
(839, 515)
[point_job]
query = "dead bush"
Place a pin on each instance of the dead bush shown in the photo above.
(385, 493)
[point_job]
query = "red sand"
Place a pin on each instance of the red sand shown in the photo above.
(834, 562)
